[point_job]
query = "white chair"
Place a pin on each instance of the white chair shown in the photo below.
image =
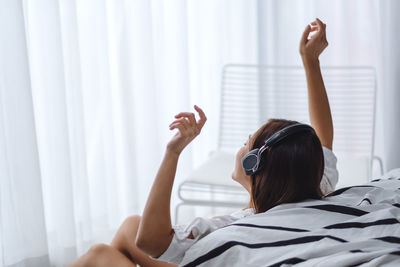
(251, 94)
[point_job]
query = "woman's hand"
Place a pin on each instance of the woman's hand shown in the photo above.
(310, 49)
(188, 129)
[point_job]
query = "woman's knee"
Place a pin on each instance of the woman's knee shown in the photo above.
(132, 220)
(126, 235)
(103, 255)
(98, 249)
(91, 258)
(130, 226)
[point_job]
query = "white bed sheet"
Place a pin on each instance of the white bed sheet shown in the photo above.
(354, 226)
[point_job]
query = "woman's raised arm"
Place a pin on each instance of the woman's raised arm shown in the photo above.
(155, 229)
(318, 103)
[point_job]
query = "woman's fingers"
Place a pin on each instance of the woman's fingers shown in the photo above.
(314, 45)
(183, 121)
(321, 25)
(202, 119)
(323, 30)
(313, 29)
(185, 127)
(178, 120)
(188, 121)
(188, 115)
(320, 22)
(178, 126)
(188, 129)
(306, 32)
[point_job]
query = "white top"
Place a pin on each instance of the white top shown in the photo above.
(201, 227)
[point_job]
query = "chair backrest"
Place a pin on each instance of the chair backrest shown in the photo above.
(251, 94)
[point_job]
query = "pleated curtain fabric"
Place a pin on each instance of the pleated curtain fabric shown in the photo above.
(87, 91)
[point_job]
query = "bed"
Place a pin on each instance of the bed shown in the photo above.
(352, 226)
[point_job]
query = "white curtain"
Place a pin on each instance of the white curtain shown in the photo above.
(88, 88)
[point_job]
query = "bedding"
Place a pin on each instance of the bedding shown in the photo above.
(356, 225)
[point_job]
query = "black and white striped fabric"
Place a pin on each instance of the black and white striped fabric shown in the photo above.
(354, 226)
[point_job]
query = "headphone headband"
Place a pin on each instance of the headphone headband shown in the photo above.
(287, 131)
(251, 161)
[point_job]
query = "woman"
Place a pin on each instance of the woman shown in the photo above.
(295, 171)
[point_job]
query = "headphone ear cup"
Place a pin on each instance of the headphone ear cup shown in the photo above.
(249, 161)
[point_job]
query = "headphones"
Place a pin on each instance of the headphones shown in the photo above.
(251, 161)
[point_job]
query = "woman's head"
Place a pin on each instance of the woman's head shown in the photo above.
(290, 171)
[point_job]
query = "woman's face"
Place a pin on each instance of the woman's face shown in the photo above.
(238, 173)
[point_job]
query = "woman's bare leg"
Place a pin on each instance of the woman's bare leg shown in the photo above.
(124, 241)
(122, 251)
(102, 255)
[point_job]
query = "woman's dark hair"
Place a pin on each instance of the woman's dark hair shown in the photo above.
(291, 170)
